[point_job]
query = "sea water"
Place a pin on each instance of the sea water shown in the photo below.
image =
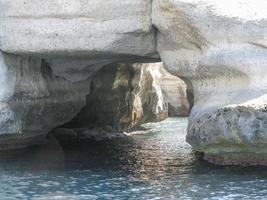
(157, 165)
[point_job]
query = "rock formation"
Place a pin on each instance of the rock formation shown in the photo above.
(33, 100)
(217, 47)
(123, 96)
(175, 93)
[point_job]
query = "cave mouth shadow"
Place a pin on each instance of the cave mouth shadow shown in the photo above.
(111, 103)
(67, 150)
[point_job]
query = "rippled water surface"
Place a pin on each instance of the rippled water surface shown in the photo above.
(158, 165)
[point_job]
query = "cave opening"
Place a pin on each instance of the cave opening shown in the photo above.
(124, 96)
(81, 120)
(134, 119)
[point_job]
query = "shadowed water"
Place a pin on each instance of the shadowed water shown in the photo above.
(158, 165)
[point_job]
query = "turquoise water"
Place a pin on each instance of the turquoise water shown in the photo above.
(158, 165)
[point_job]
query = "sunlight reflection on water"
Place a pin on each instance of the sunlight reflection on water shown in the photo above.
(158, 165)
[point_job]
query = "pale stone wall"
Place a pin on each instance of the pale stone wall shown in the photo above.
(217, 47)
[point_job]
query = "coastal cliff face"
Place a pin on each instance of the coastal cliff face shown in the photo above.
(220, 48)
(33, 100)
(51, 49)
(178, 95)
(123, 96)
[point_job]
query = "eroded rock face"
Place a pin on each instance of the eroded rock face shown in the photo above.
(220, 48)
(95, 29)
(33, 100)
(123, 96)
(175, 92)
(217, 47)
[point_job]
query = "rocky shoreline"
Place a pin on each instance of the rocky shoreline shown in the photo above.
(54, 71)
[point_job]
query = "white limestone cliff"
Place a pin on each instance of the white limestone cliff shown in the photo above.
(217, 47)
(220, 48)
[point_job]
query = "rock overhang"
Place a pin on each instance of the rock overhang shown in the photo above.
(76, 28)
(219, 49)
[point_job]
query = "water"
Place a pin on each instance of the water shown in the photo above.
(159, 165)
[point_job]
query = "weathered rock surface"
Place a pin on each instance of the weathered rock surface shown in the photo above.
(123, 96)
(175, 93)
(217, 47)
(32, 100)
(95, 29)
